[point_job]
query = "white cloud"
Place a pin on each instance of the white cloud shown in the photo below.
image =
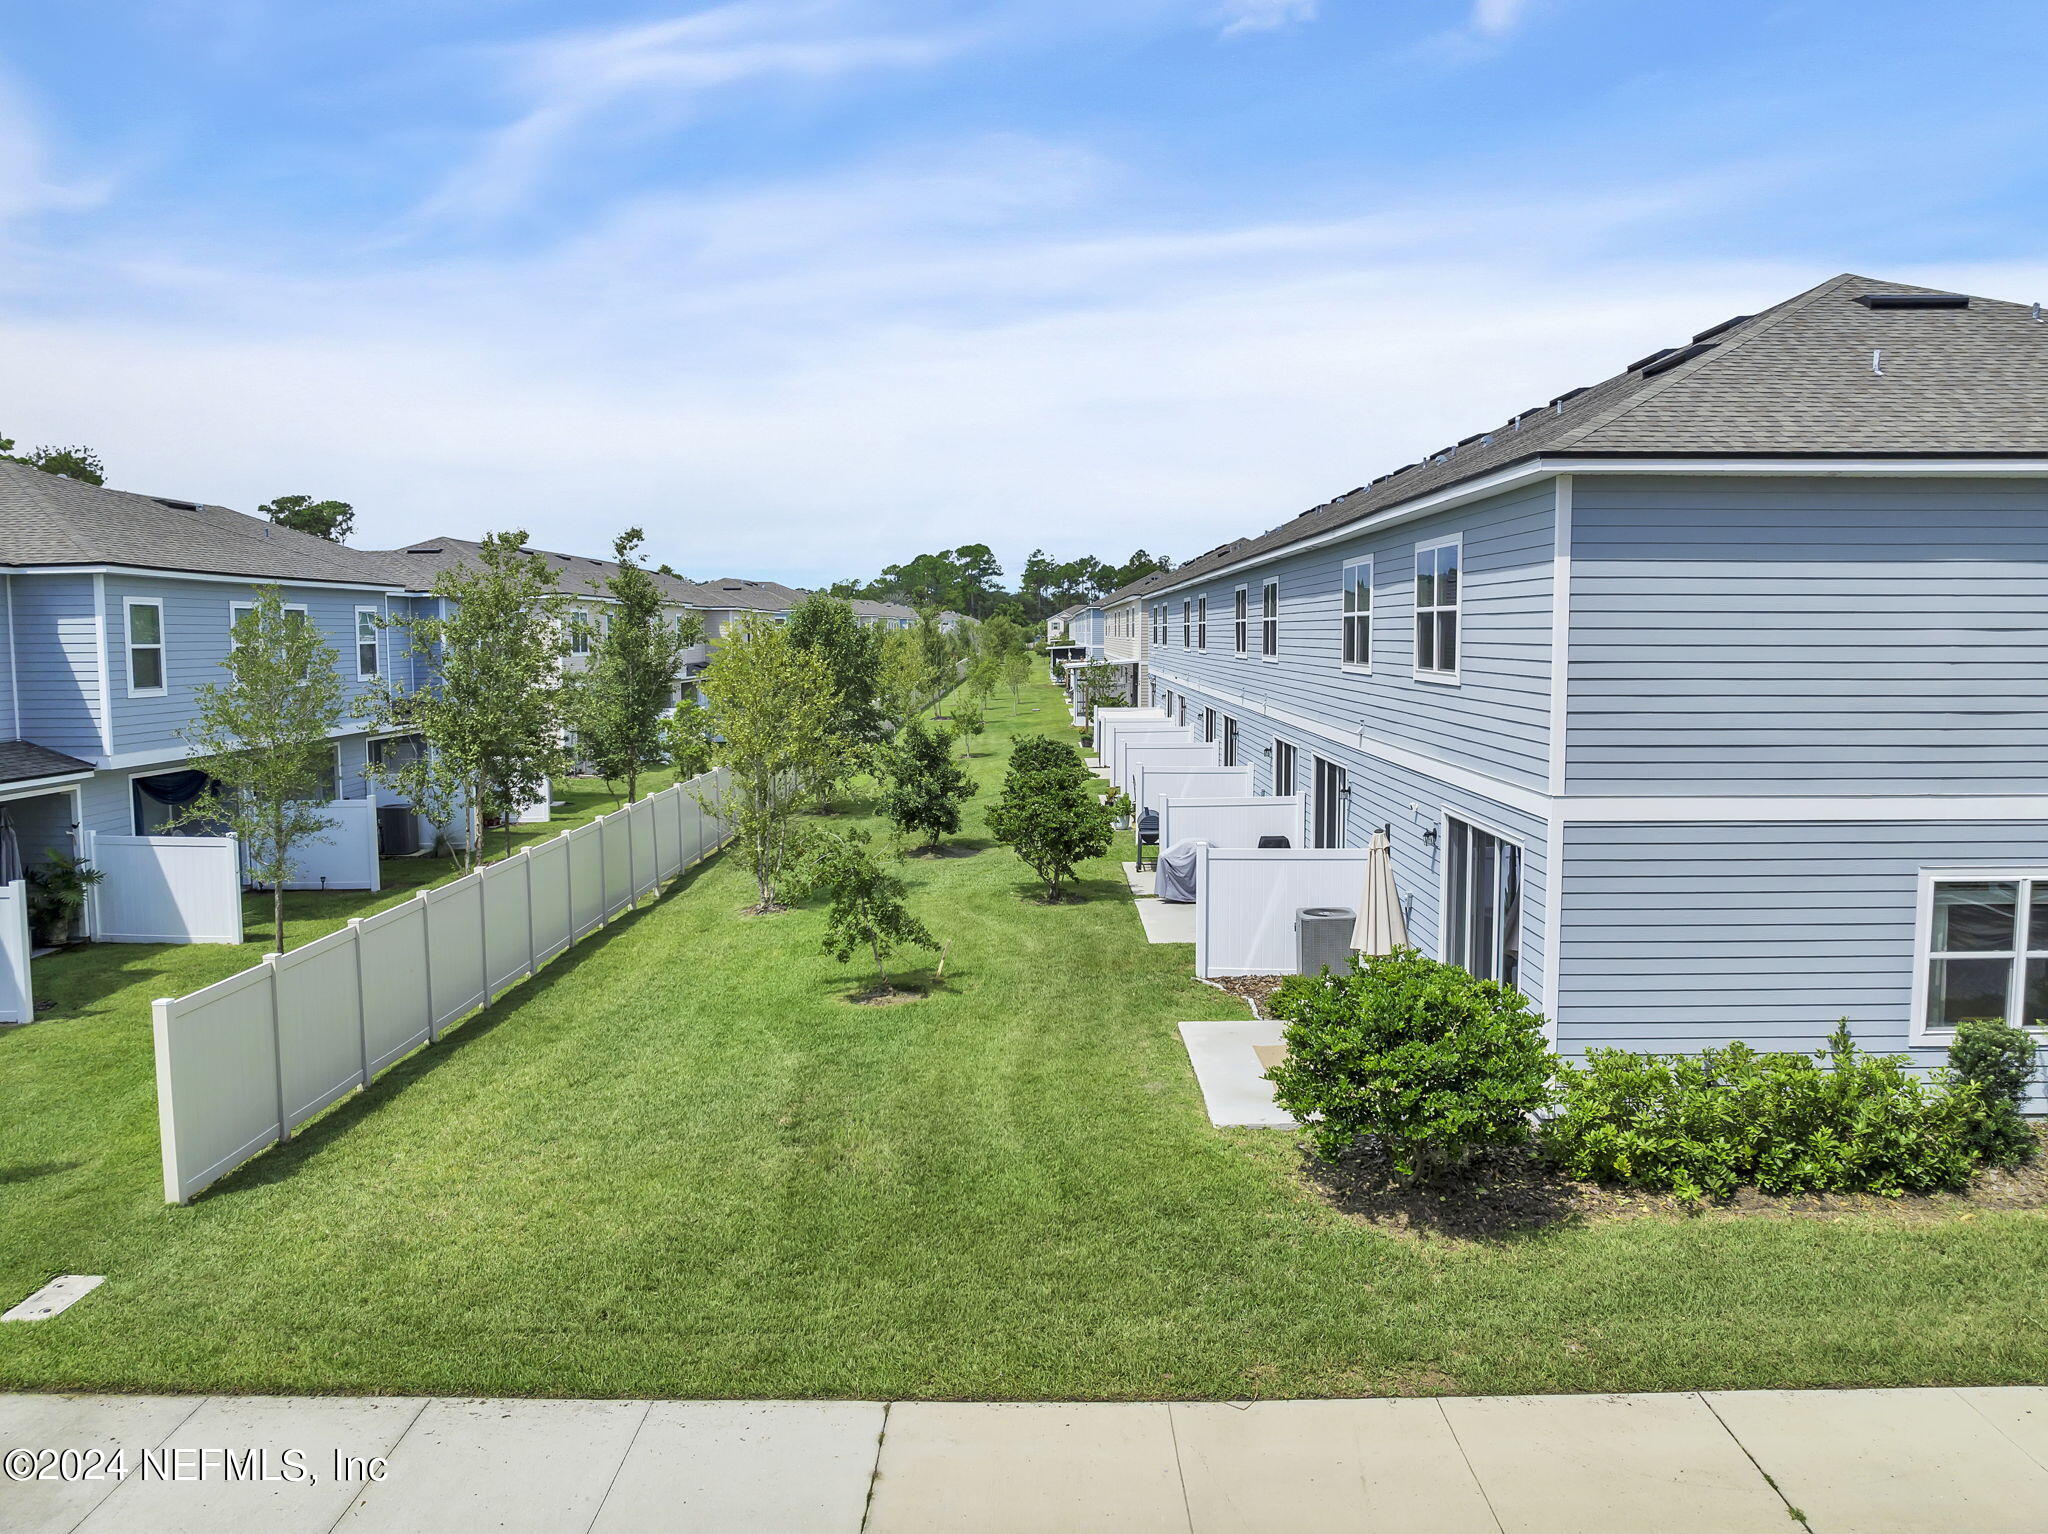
(660, 72)
(820, 378)
(1241, 16)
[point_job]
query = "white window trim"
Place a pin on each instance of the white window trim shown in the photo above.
(1241, 621)
(1187, 623)
(1443, 887)
(1269, 625)
(1357, 667)
(1202, 622)
(1273, 769)
(376, 644)
(1923, 940)
(236, 609)
(1453, 677)
(129, 647)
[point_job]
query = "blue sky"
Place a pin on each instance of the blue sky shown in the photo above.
(808, 286)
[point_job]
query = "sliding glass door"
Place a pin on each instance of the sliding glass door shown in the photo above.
(1482, 903)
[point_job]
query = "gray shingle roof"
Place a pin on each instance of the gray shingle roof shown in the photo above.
(418, 564)
(864, 608)
(46, 519)
(1793, 380)
(24, 760)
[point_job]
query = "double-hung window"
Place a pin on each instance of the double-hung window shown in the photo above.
(1201, 623)
(145, 619)
(1186, 621)
(1983, 937)
(366, 643)
(1437, 589)
(1240, 621)
(579, 632)
(1358, 615)
(1269, 619)
(239, 610)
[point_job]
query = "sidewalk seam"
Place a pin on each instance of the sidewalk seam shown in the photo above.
(1180, 1470)
(1484, 1495)
(2001, 1432)
(867, 1508)
(169, 1433)
(396, 1444)
(598, 1512)
(1798, 1515)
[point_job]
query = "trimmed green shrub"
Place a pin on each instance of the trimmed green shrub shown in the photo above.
(1998, 1059)
(1701, 1126)
(1042, 753)
(1051, 811)
(1413, 1058)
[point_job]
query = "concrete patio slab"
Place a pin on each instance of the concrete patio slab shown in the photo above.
(1037, 1469)
(797, 1467)
(318, 1430)
(81, 1423)
(1231, 1075)
(1167, 921)
(1143, 881)
(1878, 1461)
(1569, 1464)
(508, 1466)
(1279, 1467)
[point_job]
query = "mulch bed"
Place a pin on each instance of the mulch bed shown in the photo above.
(1255, 989)
(886, 996)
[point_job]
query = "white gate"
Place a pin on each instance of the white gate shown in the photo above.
(344, 857)
(1153, 785)
(17, 997)
(165, 889)
(1237, 821)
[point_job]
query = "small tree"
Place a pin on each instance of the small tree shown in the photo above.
(852, 653)
(332, 520)
(618, 703)
(686, 740)
(771, 714)
(1051, 813)
(970, 716)
(424, 779)
(1016, 672)
(905, 682)
(1098, 686)
(265, 740)
(925, 786)
(868, 911)
(492, 707)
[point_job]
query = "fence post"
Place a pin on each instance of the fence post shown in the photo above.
(355, 942)
(427, 966)
(166, 1107)
(284, 1131)
(532, 951)
(483, 931)
(604, 881)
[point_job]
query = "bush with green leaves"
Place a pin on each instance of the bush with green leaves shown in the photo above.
(924, 786)
(1701, 1126)
(1999, 1060)
(1412, 1058)
(1051, 813)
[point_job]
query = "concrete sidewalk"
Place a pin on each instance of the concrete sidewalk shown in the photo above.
(1849, 1462)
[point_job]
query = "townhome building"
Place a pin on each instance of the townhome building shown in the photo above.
(1708, 702)
(117, 606)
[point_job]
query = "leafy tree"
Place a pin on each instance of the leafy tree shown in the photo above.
(492, 708)
(924, 786)
(1051, 813)
(970, 709)
(332, 520)
(620, 699)
(1016, 672)
(79, 463)
(1100, 686)
(868, 910)
(424, 779)
(852, 656)
(265, 739)
(904, 680)
(686, 740)
(772, 711)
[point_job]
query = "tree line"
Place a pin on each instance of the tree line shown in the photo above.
(969, 580)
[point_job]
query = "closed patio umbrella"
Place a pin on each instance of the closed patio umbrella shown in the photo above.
(10, 851)
(1380, 928)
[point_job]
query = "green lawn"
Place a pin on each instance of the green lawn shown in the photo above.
(677, 1164)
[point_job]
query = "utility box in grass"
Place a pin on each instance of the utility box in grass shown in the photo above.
(1322, 938)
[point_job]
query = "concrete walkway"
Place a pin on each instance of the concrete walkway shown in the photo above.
(1848, 1462)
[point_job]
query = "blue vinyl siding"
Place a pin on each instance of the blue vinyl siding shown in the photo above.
(1677, 936)
(1385, 793)
(1778, 635)
(197, 618)
(1496, 720)
(56, 662)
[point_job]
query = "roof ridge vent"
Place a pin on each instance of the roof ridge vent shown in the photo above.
(1666, 361)
(1914, 300)
(1714, 330)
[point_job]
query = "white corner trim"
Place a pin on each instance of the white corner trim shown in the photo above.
(99, 623)
(1560, 629)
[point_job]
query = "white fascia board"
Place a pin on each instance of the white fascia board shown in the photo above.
(26, 787)
(185, 753)
(383, 587)
(1515, 476)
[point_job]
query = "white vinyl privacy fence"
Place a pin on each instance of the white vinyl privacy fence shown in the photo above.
(17, 996)
(1237, 821)
(1132, 746)
(1110, 722)
(342, 855)
(1246, 899)
(244, 1062)
(1153, 785)
(164, 889)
